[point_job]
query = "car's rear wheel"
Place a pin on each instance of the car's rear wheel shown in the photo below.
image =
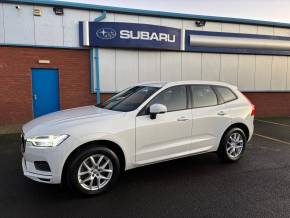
(232, 145)
(93, 171)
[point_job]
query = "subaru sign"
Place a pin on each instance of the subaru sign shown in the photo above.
(129, 35)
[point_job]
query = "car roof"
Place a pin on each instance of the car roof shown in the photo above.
(185, 82)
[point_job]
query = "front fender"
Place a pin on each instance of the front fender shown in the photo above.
(75, 143)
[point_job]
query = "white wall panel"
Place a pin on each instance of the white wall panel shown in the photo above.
(175, 23)
(149, 61)
(213, 26)
(126, 60)
(230, 27)
(190, 25)
(71, 20)
(246, 72)
(281, 31)
(1, 24)
(288, 73)
(126, 18)
(18, 24)
(149, 66)
(48, 28)
(107, 69)
(263, 72)
(279, 73)
(126, 68)
(211, 66)
(265, 30)
(229, 68)
(171, 61)
(191, 66)
(149, 20)
(248, 29)
(170, 66)
(107, 59)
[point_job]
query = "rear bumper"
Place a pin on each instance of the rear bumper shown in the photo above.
(251, 132)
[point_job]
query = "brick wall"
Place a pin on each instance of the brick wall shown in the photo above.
(270, 103)
(15, 79)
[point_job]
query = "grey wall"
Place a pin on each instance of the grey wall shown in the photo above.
(121, 68)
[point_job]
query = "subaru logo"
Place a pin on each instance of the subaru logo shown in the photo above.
(106, 33)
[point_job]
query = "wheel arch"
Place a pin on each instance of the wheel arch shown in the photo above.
(242, 126)
(96, 143)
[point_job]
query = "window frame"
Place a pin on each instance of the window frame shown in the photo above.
(223, 100)
(144, 111)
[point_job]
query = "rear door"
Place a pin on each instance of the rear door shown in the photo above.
(209, 118)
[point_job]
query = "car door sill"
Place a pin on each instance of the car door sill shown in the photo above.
(174, 156)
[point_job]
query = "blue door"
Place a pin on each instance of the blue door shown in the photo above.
(45, 91)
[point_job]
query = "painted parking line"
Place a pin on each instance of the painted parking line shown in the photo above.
(266, 121)
(273, 139)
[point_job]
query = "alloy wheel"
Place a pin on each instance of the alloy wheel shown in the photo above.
(95, 172)
(235, 145)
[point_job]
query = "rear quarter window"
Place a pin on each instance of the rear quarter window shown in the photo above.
(226, 93)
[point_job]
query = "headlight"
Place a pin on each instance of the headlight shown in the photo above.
(48, 140)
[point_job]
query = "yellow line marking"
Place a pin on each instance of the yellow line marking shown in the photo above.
(265, 121)
(273, 139)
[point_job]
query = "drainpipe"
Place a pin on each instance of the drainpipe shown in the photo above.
(95, 68)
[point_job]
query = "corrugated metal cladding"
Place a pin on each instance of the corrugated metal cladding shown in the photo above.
(122, 68)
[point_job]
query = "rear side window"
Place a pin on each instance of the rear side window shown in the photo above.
(203, 96)
(226, 93)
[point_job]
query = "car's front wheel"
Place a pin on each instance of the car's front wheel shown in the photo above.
(93, 171)
(232, 145)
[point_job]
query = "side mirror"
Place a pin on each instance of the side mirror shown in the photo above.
(157, 109)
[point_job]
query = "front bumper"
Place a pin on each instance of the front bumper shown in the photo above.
(36, 176)
(53, 156)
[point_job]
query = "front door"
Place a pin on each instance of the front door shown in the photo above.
(169, 135)
(45, 91)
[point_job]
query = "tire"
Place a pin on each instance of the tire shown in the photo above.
(232, 145)
(92, 177)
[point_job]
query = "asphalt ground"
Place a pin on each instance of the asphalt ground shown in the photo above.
(199, 186)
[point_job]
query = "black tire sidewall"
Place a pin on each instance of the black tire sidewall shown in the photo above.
(72, 171)
(222, 152)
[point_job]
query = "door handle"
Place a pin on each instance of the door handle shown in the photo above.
(35, 97)
(221, 113)
(182, 119)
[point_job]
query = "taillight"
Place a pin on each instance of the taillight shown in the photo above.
(253, 107)
(253, 112)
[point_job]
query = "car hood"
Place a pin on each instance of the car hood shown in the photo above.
(80, 114)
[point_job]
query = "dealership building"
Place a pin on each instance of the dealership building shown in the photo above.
(59, 55)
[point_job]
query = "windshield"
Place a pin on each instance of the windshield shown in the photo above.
(129, 99)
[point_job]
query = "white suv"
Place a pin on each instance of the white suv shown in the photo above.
(87, 148)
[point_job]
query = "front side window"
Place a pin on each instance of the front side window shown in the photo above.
(129, 99)
(173, 98)
(203, 96)
(226, 93)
